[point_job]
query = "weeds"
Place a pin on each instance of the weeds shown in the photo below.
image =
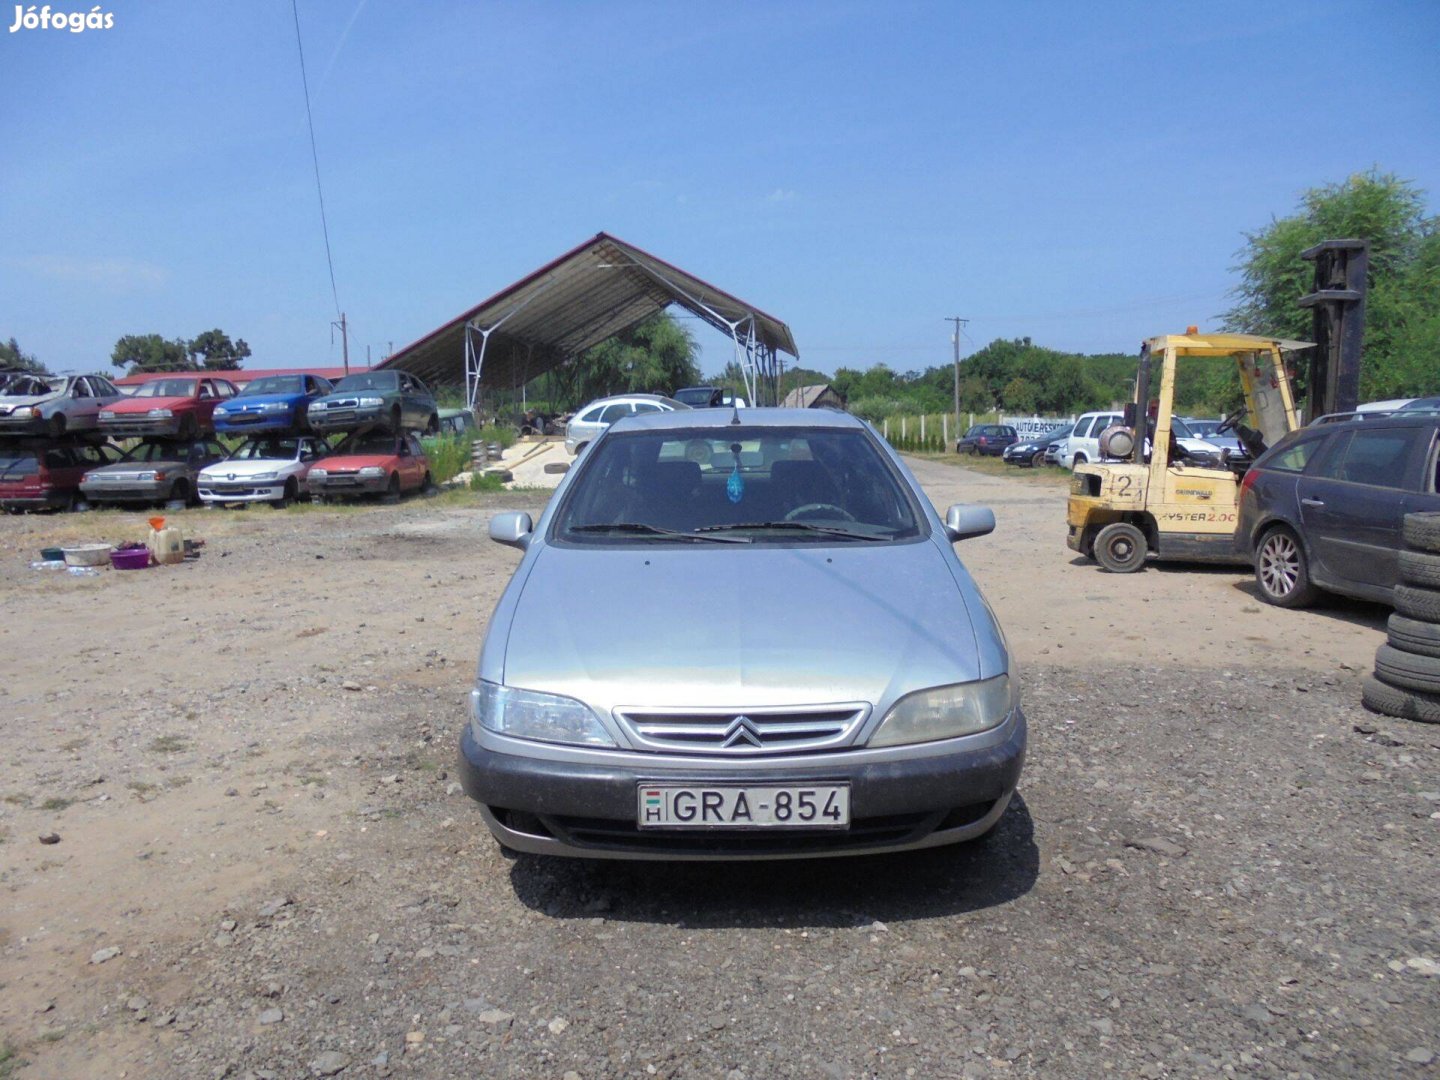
(168, 744)
(57, 803)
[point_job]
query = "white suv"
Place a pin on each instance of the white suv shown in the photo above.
(1083, 442)
(601, 413)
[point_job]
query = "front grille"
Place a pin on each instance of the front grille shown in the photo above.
(747, 733)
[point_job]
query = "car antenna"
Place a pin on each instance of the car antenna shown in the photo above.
(735, 418)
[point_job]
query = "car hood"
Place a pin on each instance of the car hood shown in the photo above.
(136, 467)
(19, 401)
(742, 626)
(238, 402)
(350, 395)
(140, 405)
(248, 467)
(357, 461)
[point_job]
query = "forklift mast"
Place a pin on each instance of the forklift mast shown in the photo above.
(1338, 306)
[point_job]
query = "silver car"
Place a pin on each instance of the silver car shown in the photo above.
(594, 418)
(741, 640)
(54, 404)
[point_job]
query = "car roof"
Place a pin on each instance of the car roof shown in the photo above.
(720, 419)
(622, 397)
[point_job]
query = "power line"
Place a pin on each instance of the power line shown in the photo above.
(315, 157)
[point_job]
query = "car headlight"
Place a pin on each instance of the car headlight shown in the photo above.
(262, 477)
(372, 470)
(23, 410)
(371, 402)
(526, 714)
(145, 477)
(220, 410)
(274, 406)
(946, 712)
(162, 413)
(318, 474)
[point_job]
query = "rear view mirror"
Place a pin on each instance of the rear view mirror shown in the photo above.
(963, 521)
(512, 528)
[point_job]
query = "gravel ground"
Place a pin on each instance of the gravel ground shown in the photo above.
(1218, 864)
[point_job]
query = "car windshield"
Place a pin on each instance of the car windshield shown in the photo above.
(166, 388)
(696, 395)
(375, 380)
(273, 384)
(747, 484)
(256, 449)
(157, 451)
(24, 463)
(375, 442)
(30, 386)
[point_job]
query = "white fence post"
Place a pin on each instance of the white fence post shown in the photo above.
(922, 430)
(945, 431)
(902, 428)
(887, 429)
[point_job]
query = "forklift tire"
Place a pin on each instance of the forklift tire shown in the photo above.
(1422, 604)
(1414, 636)
(1381, 697)
(1407, 670)
(1121, 548)
(1420, 568)
(1422, 531)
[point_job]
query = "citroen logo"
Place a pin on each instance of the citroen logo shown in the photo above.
(741, 729)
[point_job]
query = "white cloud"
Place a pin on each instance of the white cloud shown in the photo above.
(113, 274)
(780, 195)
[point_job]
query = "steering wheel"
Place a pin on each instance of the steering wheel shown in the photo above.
(1228, 424)
(810, 508)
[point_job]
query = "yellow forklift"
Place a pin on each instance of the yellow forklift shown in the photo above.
(1155, 498)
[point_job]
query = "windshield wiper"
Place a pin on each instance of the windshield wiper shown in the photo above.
(640, 528)
(802, 526)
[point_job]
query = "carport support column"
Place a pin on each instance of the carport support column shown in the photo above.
(474, 362)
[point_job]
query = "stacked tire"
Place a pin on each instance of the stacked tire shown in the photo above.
(1406, 682)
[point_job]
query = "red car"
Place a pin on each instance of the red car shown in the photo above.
(178, 405)
(40, 476)
(371, 463)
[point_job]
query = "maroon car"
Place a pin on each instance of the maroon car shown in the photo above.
(46, 476)
(986, 439)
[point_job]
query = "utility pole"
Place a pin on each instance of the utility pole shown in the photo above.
(959, 322)
(344, 341)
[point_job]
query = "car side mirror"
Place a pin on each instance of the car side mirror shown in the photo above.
(512, 528)
(963, 521)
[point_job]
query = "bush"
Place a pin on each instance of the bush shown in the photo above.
(449, 456)
(505, 436)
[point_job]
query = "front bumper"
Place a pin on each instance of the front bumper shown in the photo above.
(348, 419)
(247, 423)
(52, 499)
(128, 428)
(238, 491)
(125, 492)
(901, 803)
(340, 486)
(27, 425)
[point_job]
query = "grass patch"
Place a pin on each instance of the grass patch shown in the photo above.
(505, 436)
(57, 803)
(140, 787)
(75, 744)
(449, 455)
(486, 482)
(18, 798)
(168, 744)
(1047, 475)
(10, 1060)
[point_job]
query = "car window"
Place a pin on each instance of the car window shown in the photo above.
(18, 463)
(647, 407)
(1374, 457)
(57, 459)
(615, 412)
(207, 390)
(96, 455)
(691, 479)
(1295, 457)
(81, 389)
(590, 415)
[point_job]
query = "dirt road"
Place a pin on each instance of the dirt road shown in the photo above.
(1219, 864)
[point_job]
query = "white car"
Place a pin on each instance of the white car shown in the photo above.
(601, 413)
(1083, 442)
(273, 469)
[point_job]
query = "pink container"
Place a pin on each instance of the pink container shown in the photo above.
(130, 559)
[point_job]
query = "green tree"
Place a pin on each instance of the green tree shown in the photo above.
(12, 356)
(1402, 346)
(151, 352)
(656, 355)
(214, 351)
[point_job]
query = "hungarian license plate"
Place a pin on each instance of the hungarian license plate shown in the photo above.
(747, 806)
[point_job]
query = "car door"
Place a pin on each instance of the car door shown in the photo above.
(1352, 505)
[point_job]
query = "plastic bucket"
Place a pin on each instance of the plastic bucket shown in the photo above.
(130, 559)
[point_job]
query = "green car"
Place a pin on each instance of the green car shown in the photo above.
(393, 400)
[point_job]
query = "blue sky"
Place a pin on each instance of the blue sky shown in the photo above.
(1079, 173)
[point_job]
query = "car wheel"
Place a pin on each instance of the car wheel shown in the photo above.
(1422, 531)
(581, 448)
(427, 486)
(291, 493)
(1037, 459)
(1079, 459)
(1121, 548)
(1381, 697)
(392, 492)
(57, 425)
(1418, 603)
(1282, 571)
(1420, 568)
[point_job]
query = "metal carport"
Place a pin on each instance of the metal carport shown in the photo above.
(592, 292)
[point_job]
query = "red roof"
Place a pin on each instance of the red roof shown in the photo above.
(242, 376)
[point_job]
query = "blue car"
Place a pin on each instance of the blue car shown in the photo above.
(274, 403)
